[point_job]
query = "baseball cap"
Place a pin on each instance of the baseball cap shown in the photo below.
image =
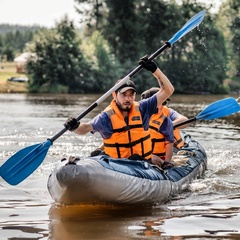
(127, 86)
(150, 92)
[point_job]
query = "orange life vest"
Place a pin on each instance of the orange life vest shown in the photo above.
(178, 141)
(158, 139)
(127, 139)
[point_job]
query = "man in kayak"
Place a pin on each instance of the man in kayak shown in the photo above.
(174, 116)
(161, 130)
(124, 124)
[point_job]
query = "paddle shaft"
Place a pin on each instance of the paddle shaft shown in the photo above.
(185, 122)
(110, 91)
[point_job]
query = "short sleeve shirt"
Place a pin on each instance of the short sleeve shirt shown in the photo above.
(167, 130)
(173, 114)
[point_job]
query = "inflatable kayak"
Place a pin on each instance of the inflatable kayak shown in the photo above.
(102, 179)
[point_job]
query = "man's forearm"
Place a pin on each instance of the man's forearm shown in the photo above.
(166, 88)
(83, 128)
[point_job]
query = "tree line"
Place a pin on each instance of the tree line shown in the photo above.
(116, 33)
(13, 39)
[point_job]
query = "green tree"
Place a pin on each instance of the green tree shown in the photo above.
(14, 38)
(235, 29)
(92, 14)
(158, 22)
(106, 67)
(229, 22)
(198, 62)
(58, 63)
(122, 29)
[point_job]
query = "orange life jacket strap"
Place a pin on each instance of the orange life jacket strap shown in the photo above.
(146, 155)
(127, 145)
(126, 128)
(154, 128)
(176, 142)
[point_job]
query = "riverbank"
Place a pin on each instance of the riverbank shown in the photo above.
(8, 70)
(13, 87)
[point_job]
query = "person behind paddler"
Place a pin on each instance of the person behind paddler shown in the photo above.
(175, 117)
(124, 124)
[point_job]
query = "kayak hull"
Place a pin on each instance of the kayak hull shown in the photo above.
(102, 179)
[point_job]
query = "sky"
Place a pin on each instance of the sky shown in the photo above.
(40, 12)
(44, 12)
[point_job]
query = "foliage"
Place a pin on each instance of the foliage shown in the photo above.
(13, 39)
(58, 61)
(199, 59)
(190, 64)
(92, 14)
(106, 67)
(229, 22)
(6, 28)
(116, 33)
(235, 29)
(158, 23)
(123, 37)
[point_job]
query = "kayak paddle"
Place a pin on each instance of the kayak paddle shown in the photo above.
(218, 109)
(26, 161)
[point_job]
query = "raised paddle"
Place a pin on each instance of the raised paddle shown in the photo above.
(26, 161)
(218, 109)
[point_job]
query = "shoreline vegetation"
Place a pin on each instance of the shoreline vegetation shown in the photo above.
(8, 70)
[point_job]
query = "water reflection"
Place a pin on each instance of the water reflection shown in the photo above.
(99, 221)
(218, 218)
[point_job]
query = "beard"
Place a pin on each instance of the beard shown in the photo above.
(123, 107)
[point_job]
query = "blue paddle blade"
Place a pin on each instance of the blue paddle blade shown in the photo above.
(189, 26)
(219, 109)
(24, 162)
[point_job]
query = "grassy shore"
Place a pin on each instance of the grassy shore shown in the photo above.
(8, 70)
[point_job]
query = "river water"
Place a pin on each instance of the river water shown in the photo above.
(209, 209)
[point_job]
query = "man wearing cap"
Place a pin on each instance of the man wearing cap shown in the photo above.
(124, 124)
